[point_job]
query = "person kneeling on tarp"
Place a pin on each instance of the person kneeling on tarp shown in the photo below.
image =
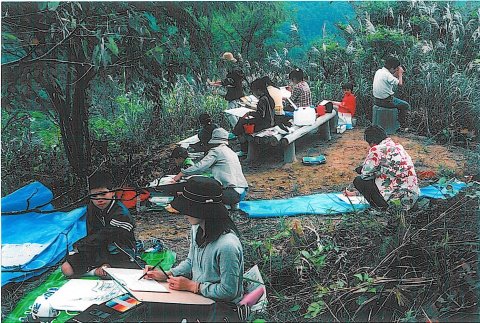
(387, 176)
(110, 240)
(225, 166)
(214, 266)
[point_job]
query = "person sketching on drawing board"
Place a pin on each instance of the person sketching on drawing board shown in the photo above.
(110, 240)
(214, 265)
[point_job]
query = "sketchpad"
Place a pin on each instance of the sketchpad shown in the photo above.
(329, 203)
(56, 280)
(33, 242)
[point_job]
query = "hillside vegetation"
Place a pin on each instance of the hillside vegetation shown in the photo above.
(91, 85)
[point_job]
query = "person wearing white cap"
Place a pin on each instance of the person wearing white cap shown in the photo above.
(233, 84)
(225, 167)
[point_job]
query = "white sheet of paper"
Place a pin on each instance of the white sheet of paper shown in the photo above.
(249, 100)
(130, 279)
(286, 94)
(79, 294)
(189, 141)
(238, 112)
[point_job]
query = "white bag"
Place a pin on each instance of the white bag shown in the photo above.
(254, 280)
(304, 116)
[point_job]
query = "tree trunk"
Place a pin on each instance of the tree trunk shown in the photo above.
(72, 110)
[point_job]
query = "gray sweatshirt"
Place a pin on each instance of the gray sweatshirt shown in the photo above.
(226, 167)
(218, 266)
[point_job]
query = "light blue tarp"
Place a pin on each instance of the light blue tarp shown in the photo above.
(55, 232)
(328, 203)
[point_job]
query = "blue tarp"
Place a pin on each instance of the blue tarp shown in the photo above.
(51, 235)
(329, 203)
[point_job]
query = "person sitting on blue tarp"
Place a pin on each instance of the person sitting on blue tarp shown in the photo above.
(110, 240)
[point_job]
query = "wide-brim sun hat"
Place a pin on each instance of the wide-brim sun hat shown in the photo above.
(229, 57)
(201, 198)
(219, 136)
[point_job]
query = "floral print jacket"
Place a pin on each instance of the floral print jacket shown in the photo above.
(392, 168)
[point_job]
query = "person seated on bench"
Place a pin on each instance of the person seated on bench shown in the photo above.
(385, 78)
(276, 95)
(263, 118)
(346, 108)
(387, 176)
(205, 134)
(301, 95)
(225, 166)
(214, 265)
(110, 240)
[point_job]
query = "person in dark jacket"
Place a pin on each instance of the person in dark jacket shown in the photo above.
(205, 133)
(110, 240)
(263, 117)
(233, 83)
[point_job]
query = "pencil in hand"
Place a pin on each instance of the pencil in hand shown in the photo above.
(155, 266)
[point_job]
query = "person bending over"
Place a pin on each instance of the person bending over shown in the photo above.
(110, 240)
(180, 160)
(387, 176)
(225, 166)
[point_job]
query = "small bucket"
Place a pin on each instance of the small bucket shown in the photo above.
(321, 110)
(128, 196)
(249, 128)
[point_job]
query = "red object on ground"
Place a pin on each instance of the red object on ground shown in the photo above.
(321, 110)
(249, 128)
(128, 196)
(426, 174)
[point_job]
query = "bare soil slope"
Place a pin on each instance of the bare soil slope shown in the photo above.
(269, 178)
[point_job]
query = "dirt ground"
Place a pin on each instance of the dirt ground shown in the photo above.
(269, 178)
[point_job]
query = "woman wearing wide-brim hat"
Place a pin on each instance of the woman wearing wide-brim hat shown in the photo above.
(214, 266)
